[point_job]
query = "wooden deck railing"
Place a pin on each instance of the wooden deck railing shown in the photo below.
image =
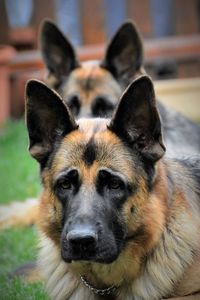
(179, 48)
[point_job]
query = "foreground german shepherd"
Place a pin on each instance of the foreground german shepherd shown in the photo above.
(93, 88)
(117, 220)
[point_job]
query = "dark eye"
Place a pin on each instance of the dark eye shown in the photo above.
(102, 107)
(114, 183)
(74, 104)
(109, 181)
(65, 184)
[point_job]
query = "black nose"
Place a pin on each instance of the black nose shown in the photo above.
(82, 239)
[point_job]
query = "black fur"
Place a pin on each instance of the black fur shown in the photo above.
(137, 120)
(48, 120)
(89, 154)
(102, 107)
(124, 54)
(57, 51)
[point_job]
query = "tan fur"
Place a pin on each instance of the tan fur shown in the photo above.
(191, 278)
(148, 267)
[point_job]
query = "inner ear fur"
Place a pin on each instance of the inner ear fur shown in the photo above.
(58, 53)
(124, 54)
(136, 120)
(48, 119)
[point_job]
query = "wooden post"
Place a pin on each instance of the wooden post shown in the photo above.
(93, 23)
(6, 53)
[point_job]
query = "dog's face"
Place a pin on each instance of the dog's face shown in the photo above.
(96, 173)
(91, 89)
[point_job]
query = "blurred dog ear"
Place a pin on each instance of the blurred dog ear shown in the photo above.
(58, 54)
(124, 54)
(48, 120)
(137, 122)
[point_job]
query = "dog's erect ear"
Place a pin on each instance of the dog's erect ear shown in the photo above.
(58, 53)
(48, 120)
(136, 120)
(124, 55)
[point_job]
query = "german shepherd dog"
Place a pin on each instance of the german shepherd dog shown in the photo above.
(117, 219)
(93, 89)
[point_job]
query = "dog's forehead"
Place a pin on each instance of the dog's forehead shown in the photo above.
(92, 147)
(92, 76)
(90, 71)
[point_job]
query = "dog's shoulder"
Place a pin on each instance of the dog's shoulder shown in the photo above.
(184, 175)
(180, 133)
(185, 168)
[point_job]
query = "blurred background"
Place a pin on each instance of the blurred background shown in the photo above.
(170, 30)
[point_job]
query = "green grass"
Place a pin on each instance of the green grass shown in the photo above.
(19, 179)
(17, 247)
(18, 171)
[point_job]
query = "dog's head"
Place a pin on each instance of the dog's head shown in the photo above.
(91, 89)
(96, 173)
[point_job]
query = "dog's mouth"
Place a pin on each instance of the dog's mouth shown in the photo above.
(101, 253)
(93, 259)
(98, 257)
(78, 254)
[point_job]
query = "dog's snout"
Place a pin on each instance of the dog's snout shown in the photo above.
(82, 238)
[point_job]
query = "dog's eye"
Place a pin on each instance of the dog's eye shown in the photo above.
(68, 181)
(114, 183)
(65, 184)
(102, 107)
(110, 181)
(74, 104)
